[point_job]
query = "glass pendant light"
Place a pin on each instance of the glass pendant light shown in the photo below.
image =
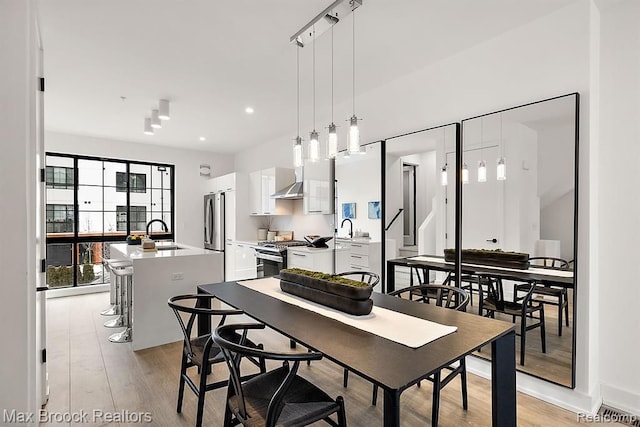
(298, 154)
(332, 137)
(314, 143)
(501, 170)
(354, 131)
(482, 166)
(465, 174)
(444, 180)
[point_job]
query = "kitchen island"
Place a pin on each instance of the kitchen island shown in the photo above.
(172, 269)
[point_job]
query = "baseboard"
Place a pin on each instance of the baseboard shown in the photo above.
(566, 398)
(77, 290)
(618, 398)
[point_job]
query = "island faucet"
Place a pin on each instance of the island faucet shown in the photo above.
(350, 226)
(164, 225)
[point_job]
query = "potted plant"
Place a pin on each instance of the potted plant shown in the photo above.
(494, 257)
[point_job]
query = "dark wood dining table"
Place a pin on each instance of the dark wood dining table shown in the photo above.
(433, 262)
(392, 366)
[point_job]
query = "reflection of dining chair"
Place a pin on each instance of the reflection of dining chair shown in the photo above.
(473, 284)
(201, 351)
(525, 309)
(543, 293)
(277, 397)
(442, 296)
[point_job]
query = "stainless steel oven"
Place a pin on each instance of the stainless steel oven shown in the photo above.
(271, 257)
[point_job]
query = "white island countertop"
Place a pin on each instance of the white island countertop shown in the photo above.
(172, 269)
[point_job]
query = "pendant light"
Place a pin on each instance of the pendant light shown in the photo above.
(332, 137)
(297, 146)
(314, 143)
(148, 130)
(444, 179)
(443, 176)
(482, 166)
(354, 131)
(163, 110)
(465, 174)
(501, 170)
(156, 123)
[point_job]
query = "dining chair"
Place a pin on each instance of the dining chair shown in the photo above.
(545, 294)
(201, 351)
(525, 308)
(277, 397)
(442, 296)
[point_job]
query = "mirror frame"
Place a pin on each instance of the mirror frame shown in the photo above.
(458, 219)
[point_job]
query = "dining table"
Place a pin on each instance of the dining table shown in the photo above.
(533, 274)
(391, 365)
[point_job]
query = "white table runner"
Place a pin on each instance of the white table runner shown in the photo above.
(398, 327)
(543, 271)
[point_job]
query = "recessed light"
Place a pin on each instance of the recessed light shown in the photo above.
(248, 110)
(202, 138)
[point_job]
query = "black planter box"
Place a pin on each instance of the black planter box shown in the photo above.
(347, 305)
(327, 286)
(497, 258)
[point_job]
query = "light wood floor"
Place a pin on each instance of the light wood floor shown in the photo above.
(87, 372)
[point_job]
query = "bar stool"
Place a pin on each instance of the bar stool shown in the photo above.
(124, 276)
(110, 265)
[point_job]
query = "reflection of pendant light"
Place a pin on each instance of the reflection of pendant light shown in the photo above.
(297, 146)
(314, 144)
(501, 170)
(156, 123)
(332, 139)
(354, 131)
(148, 130)
(163, 109)
(465, 174)
(443, 175)
(482, 167)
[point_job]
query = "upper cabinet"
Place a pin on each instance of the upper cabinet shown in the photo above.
(265, 182)
(222, 183)
(318, 185)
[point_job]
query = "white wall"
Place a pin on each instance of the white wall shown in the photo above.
(619, 206)
(190, 186)
(18, 173)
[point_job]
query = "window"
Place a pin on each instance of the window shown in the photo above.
(59, 218)
(137, 182)
(138, 220)
(59, 177)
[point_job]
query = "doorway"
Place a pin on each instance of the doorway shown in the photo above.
(409, 204)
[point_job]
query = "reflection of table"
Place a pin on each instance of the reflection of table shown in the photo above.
(432, 262)
(392, 366)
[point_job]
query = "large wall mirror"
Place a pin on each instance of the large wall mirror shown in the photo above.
(519, 194)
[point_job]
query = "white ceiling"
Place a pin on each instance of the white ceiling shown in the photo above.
(212, 59)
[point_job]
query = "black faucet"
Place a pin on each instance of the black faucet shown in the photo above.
(350, 226)
(164, 225)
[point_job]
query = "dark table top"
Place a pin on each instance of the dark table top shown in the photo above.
(530, 275)
(389, 364)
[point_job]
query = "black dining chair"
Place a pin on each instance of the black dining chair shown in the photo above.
(442, 296)
(546, 294)
(278, 397)
(525, 309)
(201, 352)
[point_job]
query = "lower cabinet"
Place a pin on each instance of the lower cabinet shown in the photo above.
(311, 259)
(240, 261)
(358, 256)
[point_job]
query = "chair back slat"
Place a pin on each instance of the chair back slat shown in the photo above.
(443, 296)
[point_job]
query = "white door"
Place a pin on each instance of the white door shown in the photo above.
(482, 203)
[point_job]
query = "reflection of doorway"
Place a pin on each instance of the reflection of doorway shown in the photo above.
(409, 203)
(482, 202)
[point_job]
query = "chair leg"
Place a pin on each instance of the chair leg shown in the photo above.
(543, 335)
(566, 306)
(463, 383)
(560, 299)
(374, 395)
(345, 378)
(523, 337)
(202, 391)
(435, 408)
(228, 416)
(183, 372)
(342, 417)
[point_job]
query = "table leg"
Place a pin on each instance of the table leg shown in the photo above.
(391, 278)
(503, 380)
(391, 411)
(204, 322)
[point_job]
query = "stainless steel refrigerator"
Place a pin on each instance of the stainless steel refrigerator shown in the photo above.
(214, 221)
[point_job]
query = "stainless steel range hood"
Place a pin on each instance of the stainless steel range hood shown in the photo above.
(293, 191)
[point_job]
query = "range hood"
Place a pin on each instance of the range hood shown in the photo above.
(293, 191)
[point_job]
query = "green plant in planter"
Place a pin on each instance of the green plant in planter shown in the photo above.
(328, 277)
(88, 275)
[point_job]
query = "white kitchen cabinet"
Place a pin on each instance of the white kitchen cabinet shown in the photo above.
(357, 255)
(310, 259)
(318, 187)
(222, 183)
(265, 182)
(230, 215)
(240, 261)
